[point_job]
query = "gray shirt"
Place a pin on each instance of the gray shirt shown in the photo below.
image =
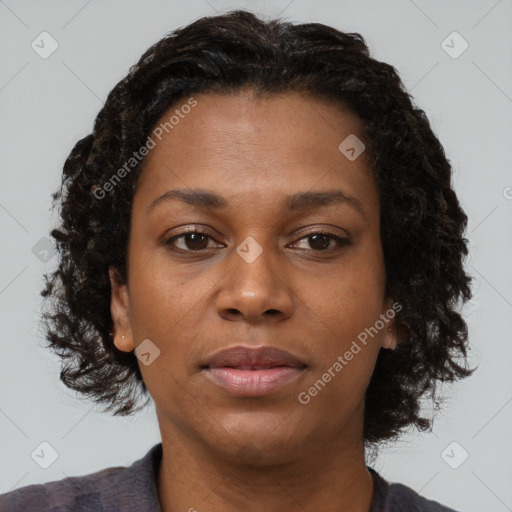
(134, 489)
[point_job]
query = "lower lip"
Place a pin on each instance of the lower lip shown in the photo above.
(252, 382)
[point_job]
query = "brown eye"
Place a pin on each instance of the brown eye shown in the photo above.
(191, 241)
(197, 240)
(321, 241)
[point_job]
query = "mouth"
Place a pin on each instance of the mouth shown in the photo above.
(250, 372)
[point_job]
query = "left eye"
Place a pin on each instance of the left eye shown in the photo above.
(322, 240)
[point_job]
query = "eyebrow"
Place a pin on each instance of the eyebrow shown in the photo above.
(301, 201)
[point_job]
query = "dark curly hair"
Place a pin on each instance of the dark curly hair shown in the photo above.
(422, 223)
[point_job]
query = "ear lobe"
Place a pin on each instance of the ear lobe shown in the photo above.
(389, 339)
(120, 313)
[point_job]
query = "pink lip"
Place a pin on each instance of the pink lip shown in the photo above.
(245, 371)
(252, 382)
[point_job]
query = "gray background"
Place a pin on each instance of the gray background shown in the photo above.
(48, 104)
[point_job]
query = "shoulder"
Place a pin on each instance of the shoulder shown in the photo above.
(72, 493)
(104, 490)
(403, 498)
(396, 497)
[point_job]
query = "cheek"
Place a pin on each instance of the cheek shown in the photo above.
(162, 312)
(353, 295)
(156, 297)
(156, 289)
(160, 306)
(346, 316)
(167, 305)
(347, 306)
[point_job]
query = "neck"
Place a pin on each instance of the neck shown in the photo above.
(331, 477)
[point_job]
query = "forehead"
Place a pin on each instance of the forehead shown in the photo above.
(241, 145)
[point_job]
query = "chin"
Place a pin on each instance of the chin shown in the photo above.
(259, 443)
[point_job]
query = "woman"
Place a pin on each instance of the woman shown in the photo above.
(261, 234)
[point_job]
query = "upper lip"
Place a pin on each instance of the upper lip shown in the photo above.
(264, 356)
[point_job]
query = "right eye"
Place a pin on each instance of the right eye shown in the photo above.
(192, 240)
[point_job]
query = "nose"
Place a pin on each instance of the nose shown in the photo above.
(255, 290)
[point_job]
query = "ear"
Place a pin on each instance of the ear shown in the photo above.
(389, 339)
(120, 311)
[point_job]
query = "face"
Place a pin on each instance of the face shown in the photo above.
(262, 264)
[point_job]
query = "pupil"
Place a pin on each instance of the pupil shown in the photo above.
(324, 245)
(192, 239)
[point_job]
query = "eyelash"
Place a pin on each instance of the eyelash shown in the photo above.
(340, 241)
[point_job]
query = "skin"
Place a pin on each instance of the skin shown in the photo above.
(272, 453)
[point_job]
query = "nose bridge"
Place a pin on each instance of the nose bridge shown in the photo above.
(252, 266)
(254, 285)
